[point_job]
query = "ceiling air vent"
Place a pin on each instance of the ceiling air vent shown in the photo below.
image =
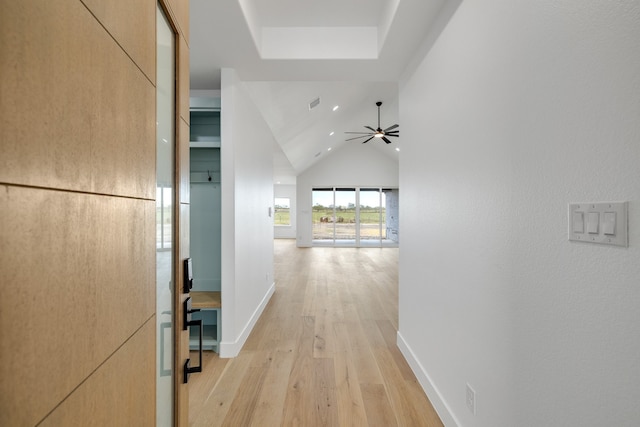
(313, 104)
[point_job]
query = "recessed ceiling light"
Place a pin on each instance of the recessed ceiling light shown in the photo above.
(397, 149)
(277, 182)
(329, 149)
(331, 134)
(336, 107)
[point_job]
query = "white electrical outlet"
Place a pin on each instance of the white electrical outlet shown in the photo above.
(471, 399)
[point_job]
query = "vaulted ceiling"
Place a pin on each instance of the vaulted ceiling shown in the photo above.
(349, 53)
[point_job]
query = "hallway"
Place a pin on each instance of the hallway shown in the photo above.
(323, 353)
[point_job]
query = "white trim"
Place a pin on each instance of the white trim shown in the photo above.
(438, 402)
(232, 348)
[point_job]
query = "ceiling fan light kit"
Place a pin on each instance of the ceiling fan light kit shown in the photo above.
(378, 132)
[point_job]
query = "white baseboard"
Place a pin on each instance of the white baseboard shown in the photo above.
(232, 348)
(439, 404)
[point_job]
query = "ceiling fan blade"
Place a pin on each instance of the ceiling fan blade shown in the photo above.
(369, 127)
(390, 134)
(386, 140)
(361, 136)
(364, 142)
(391, 127)
(364, 133)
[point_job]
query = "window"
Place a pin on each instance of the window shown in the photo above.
(322, 201)
(372, 214)
(282, 211)
(355, 216)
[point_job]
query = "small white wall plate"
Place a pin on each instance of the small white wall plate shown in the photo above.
(611, 226)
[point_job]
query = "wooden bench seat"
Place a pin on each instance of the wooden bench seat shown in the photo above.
(204, 299)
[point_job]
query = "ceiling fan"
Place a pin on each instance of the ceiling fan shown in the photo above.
(377, 133)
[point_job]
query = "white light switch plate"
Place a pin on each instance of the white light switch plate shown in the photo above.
(606, 233)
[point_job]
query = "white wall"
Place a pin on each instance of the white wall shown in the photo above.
(247, 228)
(519, 108)
(286, 231)
(352, 165)
(205, 93)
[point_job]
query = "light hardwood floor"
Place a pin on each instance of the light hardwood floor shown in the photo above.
(323, 353)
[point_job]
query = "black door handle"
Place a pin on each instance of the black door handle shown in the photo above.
(186, 313)
(188, 369)
(187, 310)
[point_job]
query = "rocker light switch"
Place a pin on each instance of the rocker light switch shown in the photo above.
(578, 222)
(593, 220)
(609, 223)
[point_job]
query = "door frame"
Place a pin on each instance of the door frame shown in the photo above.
(177, 14)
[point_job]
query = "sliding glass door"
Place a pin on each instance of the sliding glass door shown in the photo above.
(322, 202)
(371, 218)
(345, 216)
(354, 216)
